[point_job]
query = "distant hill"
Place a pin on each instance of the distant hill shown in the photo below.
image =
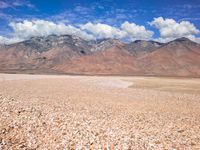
(73, 55)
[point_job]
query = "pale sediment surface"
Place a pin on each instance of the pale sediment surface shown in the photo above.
(90, 112)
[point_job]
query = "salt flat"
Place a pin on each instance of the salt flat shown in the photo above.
(91, 112)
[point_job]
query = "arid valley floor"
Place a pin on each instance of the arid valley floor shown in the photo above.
(90, 112)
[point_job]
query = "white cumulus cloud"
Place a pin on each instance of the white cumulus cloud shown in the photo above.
(27, 29)
(134, 31)
(5, 40)
(130, 31)
(100, 30)
(170, 29)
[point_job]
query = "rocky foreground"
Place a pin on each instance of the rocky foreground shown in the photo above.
(74, 112)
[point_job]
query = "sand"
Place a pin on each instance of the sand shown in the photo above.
(90, 112)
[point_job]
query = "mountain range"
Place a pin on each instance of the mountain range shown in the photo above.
(66, 54)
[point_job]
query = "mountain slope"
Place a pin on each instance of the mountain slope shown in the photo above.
(70, 54)
(177, 58)
(141, 47)
(41, 52)
(114, 60)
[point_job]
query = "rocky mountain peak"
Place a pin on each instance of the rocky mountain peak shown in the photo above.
(52, 41)
(71, 54)
(181, 42)
(139, 47)
(182, 39)
(103, 44)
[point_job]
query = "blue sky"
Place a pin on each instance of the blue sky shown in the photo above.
(107, 12)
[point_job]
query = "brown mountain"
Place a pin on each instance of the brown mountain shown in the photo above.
(40, 54)
(114, 60)
(70, 54)
(141, 47)
(180, 57)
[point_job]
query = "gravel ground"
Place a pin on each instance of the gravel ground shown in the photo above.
(78, 112)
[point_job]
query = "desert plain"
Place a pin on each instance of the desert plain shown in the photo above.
(58, 112)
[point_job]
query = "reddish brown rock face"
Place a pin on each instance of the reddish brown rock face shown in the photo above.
(67, 54)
